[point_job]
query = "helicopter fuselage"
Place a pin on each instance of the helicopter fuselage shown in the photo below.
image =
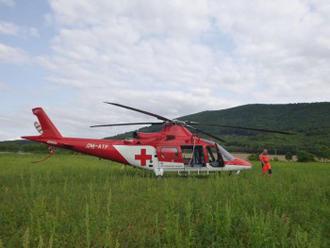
(173, 149)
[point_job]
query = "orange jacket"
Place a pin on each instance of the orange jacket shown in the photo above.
(265, 160)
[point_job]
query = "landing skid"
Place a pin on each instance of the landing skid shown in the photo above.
(185, 173)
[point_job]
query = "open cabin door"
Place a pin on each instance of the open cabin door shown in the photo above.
(193, 156)
(214, 155)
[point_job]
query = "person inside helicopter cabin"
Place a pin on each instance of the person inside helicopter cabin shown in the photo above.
(265, 163)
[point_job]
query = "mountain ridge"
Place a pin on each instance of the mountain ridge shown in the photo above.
(310, 122)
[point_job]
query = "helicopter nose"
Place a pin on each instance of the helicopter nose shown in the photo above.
(241, 162)
(245, 163)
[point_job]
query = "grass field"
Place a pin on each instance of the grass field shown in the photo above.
(80, 201)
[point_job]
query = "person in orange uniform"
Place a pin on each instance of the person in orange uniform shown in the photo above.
(264, 159)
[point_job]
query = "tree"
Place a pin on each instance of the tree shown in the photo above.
(288, 156)
(253, 157)
(304, 156)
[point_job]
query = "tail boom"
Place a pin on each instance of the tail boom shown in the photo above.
(50, 136)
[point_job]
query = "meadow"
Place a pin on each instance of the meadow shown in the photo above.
(81, 201)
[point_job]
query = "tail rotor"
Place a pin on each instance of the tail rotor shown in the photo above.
(38, 127)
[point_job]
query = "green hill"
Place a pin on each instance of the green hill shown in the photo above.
(310, 122)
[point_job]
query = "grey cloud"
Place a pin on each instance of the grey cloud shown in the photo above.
(13, 55)
(152, 55)
(9, 28)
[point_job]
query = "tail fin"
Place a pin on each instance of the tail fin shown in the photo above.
(48, 128)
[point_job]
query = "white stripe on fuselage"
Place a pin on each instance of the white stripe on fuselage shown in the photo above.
(130, 153)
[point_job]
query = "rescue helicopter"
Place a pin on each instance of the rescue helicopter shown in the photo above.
(177, 147)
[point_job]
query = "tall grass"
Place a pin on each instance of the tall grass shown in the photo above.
(80, 201)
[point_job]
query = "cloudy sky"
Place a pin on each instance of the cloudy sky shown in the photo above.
(172, 57)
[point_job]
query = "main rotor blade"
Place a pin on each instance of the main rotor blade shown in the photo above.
(206, 133)
(159, 117)
(128, 124)
(244, 128)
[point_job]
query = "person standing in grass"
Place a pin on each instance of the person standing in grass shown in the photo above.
(264, 159)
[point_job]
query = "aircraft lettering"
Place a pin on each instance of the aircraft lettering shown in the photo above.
(97, 146)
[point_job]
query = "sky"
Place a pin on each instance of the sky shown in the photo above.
(170, 57)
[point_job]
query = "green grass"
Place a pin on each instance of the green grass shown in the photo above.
(80, 201)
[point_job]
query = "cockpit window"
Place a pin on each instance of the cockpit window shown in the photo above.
(225, 154)
(212, 153)
(214, 156)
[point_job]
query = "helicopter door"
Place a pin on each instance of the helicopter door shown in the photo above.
(193, 156)
(214, 156)
(169, 157)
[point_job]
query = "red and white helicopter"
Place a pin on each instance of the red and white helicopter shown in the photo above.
(173, 149)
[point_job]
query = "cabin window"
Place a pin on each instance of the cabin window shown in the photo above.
(169, 153)
(193, 156)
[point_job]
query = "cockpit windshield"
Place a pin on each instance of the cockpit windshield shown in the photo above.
(225, 154)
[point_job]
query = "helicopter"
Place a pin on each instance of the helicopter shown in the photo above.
(177, 147)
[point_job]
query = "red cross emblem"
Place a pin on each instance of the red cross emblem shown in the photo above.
(143, 157)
